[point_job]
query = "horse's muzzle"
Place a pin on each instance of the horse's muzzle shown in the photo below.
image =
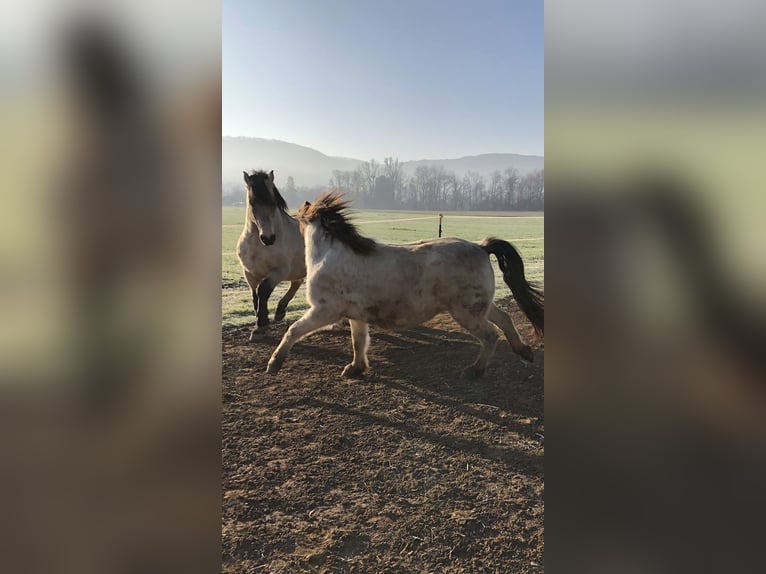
(268, 239)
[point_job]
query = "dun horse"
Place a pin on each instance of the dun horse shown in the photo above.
(397, 286)
(270, 247)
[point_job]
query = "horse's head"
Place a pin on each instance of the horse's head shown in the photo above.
(264, 202)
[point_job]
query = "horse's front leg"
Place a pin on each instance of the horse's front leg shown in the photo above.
(263, 293)
(265, 289)
(314, 319)
(360, 340)
(253, 281)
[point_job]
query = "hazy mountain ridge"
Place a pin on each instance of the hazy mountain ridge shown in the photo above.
(311, 167)
(484, 164)
(306, 165)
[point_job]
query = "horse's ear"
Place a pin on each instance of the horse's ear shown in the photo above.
(271, 176)
(304, 209)
(247, 177)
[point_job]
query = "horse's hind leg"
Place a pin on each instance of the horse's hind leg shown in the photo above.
(504, 321)
(483, 330)
(282, 305)
(314, 319)
(360, 340)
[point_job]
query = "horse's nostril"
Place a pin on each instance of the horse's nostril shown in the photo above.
(268, 239)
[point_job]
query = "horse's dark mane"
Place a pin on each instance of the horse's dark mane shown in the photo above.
(331, 210)
(258, 185)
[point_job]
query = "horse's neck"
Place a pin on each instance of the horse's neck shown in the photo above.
(317, 244)
(286, 225)
(285, 220)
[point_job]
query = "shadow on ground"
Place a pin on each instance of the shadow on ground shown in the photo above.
(411, 469)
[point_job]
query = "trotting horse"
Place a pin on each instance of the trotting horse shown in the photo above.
(397, 286)
(270, 247)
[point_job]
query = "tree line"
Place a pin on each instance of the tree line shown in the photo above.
(386, 185)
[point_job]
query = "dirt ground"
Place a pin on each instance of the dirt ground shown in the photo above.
(412, 469)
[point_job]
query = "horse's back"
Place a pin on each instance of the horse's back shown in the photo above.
(447, 259)
(403, 285)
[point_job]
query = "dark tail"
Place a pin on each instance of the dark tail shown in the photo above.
(530, 299)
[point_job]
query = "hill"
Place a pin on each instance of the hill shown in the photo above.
(311, 167)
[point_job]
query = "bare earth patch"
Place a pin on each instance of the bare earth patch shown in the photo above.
(410, 469)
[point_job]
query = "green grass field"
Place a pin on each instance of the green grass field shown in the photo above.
(523, 229)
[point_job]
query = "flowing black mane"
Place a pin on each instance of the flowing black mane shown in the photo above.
(257, 181)
(331, 210)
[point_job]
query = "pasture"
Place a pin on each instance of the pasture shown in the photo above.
(410, 469)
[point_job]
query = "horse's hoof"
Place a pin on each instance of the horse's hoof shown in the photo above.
(350, 371)
(257, 335)
(279, 316)
(473, 372)
(272, 368)
(526, 353)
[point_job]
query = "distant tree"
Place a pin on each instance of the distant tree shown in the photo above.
(355, 184)
(368, 172)
(511, 183)
(531, 191)
(473, 188)
(421, 184)
(392, 169)
(409, 194)
(442, 186)
(387, 186)
(337, 179)
(383, 195)
(537, 187)
(454, 197)
(495, 191)
(289, 191)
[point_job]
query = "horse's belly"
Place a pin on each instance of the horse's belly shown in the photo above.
(393, 316)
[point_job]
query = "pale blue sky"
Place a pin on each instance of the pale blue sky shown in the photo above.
(411, 79)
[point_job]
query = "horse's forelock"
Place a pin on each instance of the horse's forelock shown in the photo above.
(257, 182)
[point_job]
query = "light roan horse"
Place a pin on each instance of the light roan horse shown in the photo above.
(397, 286)
(270, 247)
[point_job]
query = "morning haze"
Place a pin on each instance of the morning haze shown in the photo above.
(450, 92)
(484, 182)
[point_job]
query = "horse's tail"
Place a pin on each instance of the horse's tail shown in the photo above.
(530, 299)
